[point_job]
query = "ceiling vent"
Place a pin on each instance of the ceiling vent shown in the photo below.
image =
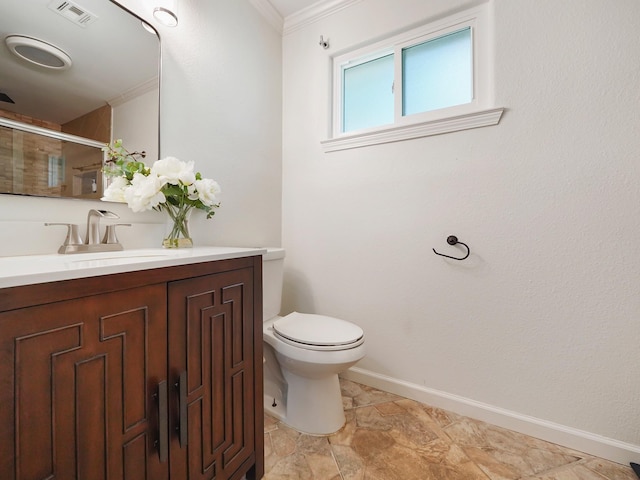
(73, 12)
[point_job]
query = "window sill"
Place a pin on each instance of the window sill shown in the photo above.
(482, 118)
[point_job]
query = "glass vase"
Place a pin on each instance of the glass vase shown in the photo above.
(177, 228)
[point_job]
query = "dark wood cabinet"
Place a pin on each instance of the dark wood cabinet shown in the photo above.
(144, 375)
(212, 342)
(78, 383)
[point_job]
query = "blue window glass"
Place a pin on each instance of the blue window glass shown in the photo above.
(438, 73)
(368, 94)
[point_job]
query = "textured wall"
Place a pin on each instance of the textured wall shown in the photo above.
(222, 108)
(543, 318)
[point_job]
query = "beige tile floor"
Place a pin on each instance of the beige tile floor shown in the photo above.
(387, 437)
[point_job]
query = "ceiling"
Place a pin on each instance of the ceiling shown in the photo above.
(62, 96)
(288, 7)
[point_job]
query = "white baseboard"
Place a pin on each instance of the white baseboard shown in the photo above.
(579, 440)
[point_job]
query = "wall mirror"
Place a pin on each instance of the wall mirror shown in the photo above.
(74, 75)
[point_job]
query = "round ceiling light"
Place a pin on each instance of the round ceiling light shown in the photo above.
(165, 16)
(38, 52)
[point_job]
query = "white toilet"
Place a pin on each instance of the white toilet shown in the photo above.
(304, 353)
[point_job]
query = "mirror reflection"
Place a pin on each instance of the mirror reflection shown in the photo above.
(74, 75)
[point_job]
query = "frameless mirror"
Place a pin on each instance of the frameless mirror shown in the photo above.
(74, 75)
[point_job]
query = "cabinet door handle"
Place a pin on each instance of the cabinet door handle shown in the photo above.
(162, 443)
(182, 407)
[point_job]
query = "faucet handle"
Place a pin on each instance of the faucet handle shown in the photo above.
(110, 232)
(73, 235)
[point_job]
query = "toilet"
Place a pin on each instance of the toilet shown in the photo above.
(303, 355)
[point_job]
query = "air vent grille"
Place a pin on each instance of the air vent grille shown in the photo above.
(73, 12)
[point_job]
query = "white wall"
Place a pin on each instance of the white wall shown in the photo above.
(135, 122)
(543, 320)
(221, 107)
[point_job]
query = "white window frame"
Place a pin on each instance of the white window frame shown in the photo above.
(479, 112)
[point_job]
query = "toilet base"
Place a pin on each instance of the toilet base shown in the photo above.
(313, 406)
(275, 407)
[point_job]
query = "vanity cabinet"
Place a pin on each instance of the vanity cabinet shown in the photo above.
(212, 367)
(153, 374)
(78, 380)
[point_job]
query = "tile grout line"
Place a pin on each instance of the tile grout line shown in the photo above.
(335, 460)
(559, 469)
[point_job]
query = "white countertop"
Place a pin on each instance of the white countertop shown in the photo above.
(31, 269)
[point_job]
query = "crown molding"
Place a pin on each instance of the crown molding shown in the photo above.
(301, 19)
(314, 13)
(269, 13)
(148, 86)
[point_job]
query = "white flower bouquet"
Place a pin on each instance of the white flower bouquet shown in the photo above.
(169, 185)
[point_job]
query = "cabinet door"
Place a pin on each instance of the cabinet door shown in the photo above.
(211, 339)
(77, 386)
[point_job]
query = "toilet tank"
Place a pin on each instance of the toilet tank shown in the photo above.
(272, 275)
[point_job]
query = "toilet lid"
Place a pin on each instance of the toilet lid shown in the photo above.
(311, 329)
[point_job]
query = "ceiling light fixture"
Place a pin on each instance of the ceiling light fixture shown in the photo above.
(38, 52)
(166, 12)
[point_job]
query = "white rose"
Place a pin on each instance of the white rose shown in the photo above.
(144, 192)
(206, 190)
(115, 190)
(174, 171)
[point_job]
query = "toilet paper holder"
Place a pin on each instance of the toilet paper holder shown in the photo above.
(453, 240)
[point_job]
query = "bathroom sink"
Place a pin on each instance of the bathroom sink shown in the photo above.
(103, 259)
(123, 256)
(136, 253)
(42, 263)
(30, 269)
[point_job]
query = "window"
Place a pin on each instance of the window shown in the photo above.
(56, 171)
(367, 94)
(437, 73)
(430, 80)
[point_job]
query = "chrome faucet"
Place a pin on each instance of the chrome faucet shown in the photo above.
(73, 242)
(93, 225)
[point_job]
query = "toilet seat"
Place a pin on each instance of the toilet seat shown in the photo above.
(317, 332)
